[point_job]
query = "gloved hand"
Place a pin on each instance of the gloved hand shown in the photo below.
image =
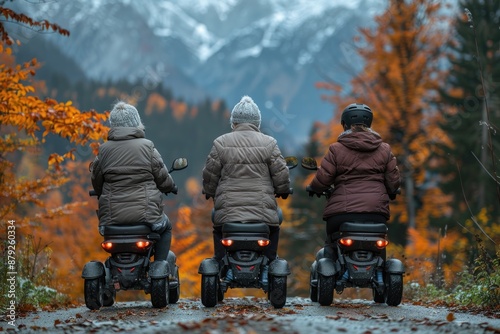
(311, 192)
(174, 190)
(284, 196)
(392, 197)
(208, 196)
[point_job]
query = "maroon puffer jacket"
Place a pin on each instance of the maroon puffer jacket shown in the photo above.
(362, 170)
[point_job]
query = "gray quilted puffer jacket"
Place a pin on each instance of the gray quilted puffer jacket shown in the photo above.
(243, 172)
(129, 176)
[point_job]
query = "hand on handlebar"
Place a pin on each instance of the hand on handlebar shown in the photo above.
(173, 191)
(311, 192)
(207, 196)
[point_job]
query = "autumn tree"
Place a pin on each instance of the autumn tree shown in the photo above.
(470, 102)
(26, 121)
(403, 57)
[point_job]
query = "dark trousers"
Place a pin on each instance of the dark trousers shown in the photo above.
(162, 246)
(271, 251)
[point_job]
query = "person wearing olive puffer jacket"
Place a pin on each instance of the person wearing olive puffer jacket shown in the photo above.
(362, 171)
(129, 177)
(244, 173)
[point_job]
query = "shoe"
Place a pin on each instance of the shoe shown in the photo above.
(229, 276)
(264, 275)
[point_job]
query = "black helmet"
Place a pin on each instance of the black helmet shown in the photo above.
(357, 113)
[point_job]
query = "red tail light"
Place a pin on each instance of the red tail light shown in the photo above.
(107, 245)
(382, 243)
(346, 242)
(142, 244)
(227, 242)
(263, 243)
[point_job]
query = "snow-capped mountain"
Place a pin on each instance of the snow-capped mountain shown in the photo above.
(273, 50)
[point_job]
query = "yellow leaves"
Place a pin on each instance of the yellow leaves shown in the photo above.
(55, 160)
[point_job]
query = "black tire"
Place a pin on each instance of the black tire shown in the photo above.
(108, 297)
(377, 297)
(394, 289)
(220, 293)
(325, 289)
(277, 291)
(175, 293)
(209, 291)
(92, 291)
(313, 290)
(159, 292)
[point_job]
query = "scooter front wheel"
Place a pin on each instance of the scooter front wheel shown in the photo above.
(209, 290)
(313, 287)
(175, 291)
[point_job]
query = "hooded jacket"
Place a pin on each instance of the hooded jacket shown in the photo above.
(129, 176)
(243, 171)
(362, 170)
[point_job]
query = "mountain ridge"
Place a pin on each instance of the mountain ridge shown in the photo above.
(274, 51)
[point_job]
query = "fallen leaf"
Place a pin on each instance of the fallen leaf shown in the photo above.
(450, 317)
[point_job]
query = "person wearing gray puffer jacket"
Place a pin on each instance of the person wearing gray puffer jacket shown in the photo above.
(129, 177)
(362, 171)
(244, 173)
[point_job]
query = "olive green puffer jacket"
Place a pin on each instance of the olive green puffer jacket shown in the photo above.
(129, 176)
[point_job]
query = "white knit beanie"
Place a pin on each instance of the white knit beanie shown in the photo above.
(245, 111)
(124, 115)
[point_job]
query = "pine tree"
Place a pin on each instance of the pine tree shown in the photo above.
(471, 102)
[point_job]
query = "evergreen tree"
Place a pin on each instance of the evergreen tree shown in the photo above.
(471, 102)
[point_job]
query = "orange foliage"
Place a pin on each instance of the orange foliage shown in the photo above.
(29, 192)
(155, 103)
(401, 76)
(12, 16)
(179, 109)
(191, 242)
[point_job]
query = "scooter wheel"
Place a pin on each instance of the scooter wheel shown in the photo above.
(277, 291)
(175, 292)
(394, 289)
(209, 290)
(159, 292)
(92, 291)
(325, 289)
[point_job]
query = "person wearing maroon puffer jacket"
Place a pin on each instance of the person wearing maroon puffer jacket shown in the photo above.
(362, 171)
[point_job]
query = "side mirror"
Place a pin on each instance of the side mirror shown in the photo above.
(291, 162)
(178, 164)
(309, 163)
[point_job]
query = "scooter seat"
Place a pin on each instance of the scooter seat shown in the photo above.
(245, 227)
(126, 230)
(363, 227)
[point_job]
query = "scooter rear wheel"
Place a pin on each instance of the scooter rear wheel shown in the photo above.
(159, 292)
(394, 289)
(93, 293)
(209, 290)
(277, 291)
(325, 289)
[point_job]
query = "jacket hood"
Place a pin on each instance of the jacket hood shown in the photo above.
(125, 133)
(246, 127)
(363, 141)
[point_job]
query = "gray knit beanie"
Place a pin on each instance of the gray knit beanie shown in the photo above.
(245, 111)
(124, 114)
